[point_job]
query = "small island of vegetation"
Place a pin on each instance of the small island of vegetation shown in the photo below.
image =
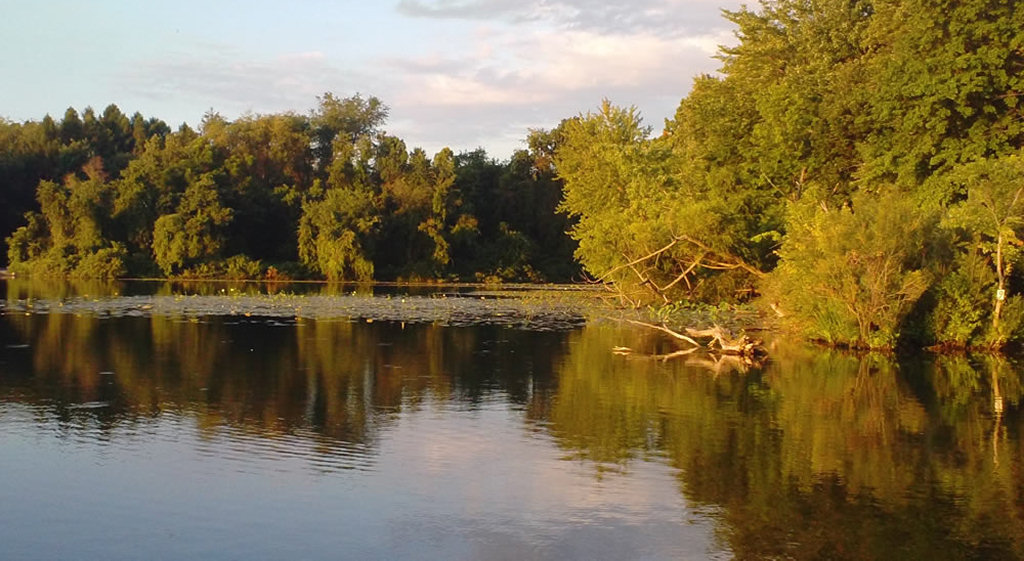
(857, 165)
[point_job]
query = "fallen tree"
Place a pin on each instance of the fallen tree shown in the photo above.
(716, 339)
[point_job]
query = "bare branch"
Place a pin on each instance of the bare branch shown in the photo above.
(685, 274)
(664, 329)
(739, 263)
(641, 259)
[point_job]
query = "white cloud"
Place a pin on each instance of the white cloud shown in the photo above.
(233, 84)
(572, 62)
(481, 79)
(542, 75)
(666, 17)
(532, 63)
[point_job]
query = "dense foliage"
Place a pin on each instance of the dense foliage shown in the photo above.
(328, 195)
(858, 162)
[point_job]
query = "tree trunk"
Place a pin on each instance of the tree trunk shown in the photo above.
(1001, 293)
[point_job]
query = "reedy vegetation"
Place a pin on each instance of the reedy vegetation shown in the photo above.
(858, 163)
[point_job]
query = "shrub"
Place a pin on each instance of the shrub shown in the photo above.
(849, 276)
(240, 267)
(961, 302)
(106, 263)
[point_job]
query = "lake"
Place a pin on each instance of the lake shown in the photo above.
(156, 421)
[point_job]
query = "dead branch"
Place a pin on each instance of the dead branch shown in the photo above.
(626, 351)
(664, 329)
(719, 339)
(641, 259)
(716, 364)
(727, 343)
(736, 262)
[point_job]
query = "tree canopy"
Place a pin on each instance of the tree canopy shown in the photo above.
(326, 195)
(814, 170)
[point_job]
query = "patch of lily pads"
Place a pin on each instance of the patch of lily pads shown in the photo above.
(526, 310)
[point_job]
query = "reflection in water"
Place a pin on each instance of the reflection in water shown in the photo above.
(386, 440)
(820, 454)
(340, 381)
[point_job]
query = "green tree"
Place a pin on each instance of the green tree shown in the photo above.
(70, 234)
(850, 275)
(944, 82)
(195, 233)
(644, 223)
(338, 222)
(153, 185)
(346, 119)
(332, 234)
(993, 218)
(268, 165)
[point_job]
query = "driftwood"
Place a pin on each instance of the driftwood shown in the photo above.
(700, 357)
(718, 340)
(727, 343)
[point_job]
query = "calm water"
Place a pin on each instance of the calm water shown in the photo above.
(152, 425)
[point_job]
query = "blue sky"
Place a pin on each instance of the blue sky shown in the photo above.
(457, 73)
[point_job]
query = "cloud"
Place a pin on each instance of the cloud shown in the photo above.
(572, 63)
(461, 9)
(538, 77)
(232, 83)
(532, 63)
(499, 68)
(665, 17)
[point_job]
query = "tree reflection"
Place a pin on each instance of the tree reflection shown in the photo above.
(342, 381)
(817, 455)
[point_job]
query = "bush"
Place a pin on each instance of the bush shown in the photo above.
(240, 267)
(849, 276)
(1010, 327)
(106, 263)
(959, 303)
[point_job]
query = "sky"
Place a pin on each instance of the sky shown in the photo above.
(464, 74)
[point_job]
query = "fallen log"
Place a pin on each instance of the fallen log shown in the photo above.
(727, 343)
(718, 339)
(664, 329)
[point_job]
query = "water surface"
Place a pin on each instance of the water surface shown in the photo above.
(170, 424)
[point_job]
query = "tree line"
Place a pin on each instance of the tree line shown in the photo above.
(326, 195)
(857, 163)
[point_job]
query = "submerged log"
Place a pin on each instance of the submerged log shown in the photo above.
(718, 339)
(727, 343)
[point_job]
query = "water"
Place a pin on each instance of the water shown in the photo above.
(356, 430)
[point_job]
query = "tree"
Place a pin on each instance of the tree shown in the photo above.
(332, 234)
(993, 218)
(195, 233)
(944, 82)
(338, 222)
(850, 275)
(70, 234)
(347, 119)
(153, 185)
(220, 200)
(645, 223)
(269, 165)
